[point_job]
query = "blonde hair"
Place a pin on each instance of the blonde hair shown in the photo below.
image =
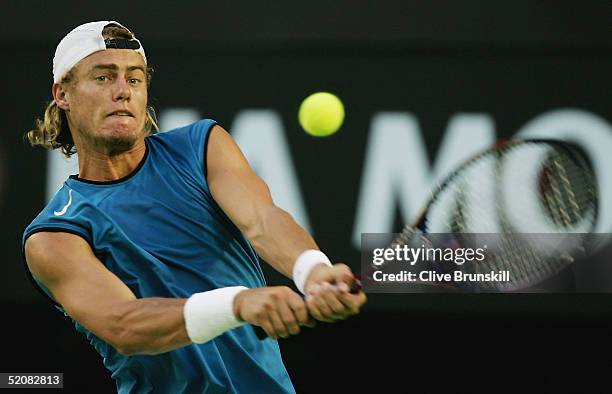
(52, 132)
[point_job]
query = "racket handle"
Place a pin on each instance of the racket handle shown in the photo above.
(355, 288)
(260, 332)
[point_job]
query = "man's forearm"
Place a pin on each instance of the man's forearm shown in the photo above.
(149, 326)
(158, 325)
(279, 240)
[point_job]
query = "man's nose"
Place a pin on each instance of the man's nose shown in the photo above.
(121, 90)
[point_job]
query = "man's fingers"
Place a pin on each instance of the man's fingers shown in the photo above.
(318, 299)
(289, 318)
(353, 302)
(300, 311)
(318, 303)
(317, 314)
(342, 273)
(334, 302)
(277, 323)
(266, 324)
(284, 311)
(330, 296)
(317, 309)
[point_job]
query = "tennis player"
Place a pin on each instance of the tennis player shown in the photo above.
(152, 248)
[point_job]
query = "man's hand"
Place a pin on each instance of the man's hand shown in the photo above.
(328, 295)
(278, 310)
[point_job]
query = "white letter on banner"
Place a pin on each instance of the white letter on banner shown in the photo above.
(590, 132)
(397, 169)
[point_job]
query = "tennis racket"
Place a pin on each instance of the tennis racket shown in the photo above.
(532, 202)
(535, 202)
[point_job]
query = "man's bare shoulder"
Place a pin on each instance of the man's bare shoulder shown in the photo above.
(48, 252)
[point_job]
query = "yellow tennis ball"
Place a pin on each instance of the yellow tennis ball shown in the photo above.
(321, 114)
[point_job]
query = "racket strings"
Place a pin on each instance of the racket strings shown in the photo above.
(564, 200)
(509, 192)
(568, 199)
(571, 195)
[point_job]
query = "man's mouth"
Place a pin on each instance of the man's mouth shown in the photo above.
(121, 113)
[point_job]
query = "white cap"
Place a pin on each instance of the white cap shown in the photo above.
(81, 42)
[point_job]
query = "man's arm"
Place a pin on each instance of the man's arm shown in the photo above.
(246, 199)
(100, 301)
(276, 237)
(96, 298)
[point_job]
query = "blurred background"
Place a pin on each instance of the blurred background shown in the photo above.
(425, 84)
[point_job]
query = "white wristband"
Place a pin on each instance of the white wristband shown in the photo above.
(211, 313)
(305, 263)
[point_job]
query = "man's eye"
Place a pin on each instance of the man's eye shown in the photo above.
(134, 81)
(102, 78)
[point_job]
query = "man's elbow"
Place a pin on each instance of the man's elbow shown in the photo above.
(124, 342)
(267, 218)
(126, 350)
(120, 332)
(131, 350)
(127, 345)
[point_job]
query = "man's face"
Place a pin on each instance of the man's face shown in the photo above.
(107, 102)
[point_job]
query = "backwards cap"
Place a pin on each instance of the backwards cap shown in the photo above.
(84, 40)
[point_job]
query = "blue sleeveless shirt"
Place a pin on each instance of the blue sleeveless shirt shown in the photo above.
(160, 231)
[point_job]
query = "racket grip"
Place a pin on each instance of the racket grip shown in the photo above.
(355, 288)
(260, 332)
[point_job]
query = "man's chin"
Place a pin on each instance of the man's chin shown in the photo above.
(116, 144)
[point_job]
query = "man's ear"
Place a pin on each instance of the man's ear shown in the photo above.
(59, 95)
